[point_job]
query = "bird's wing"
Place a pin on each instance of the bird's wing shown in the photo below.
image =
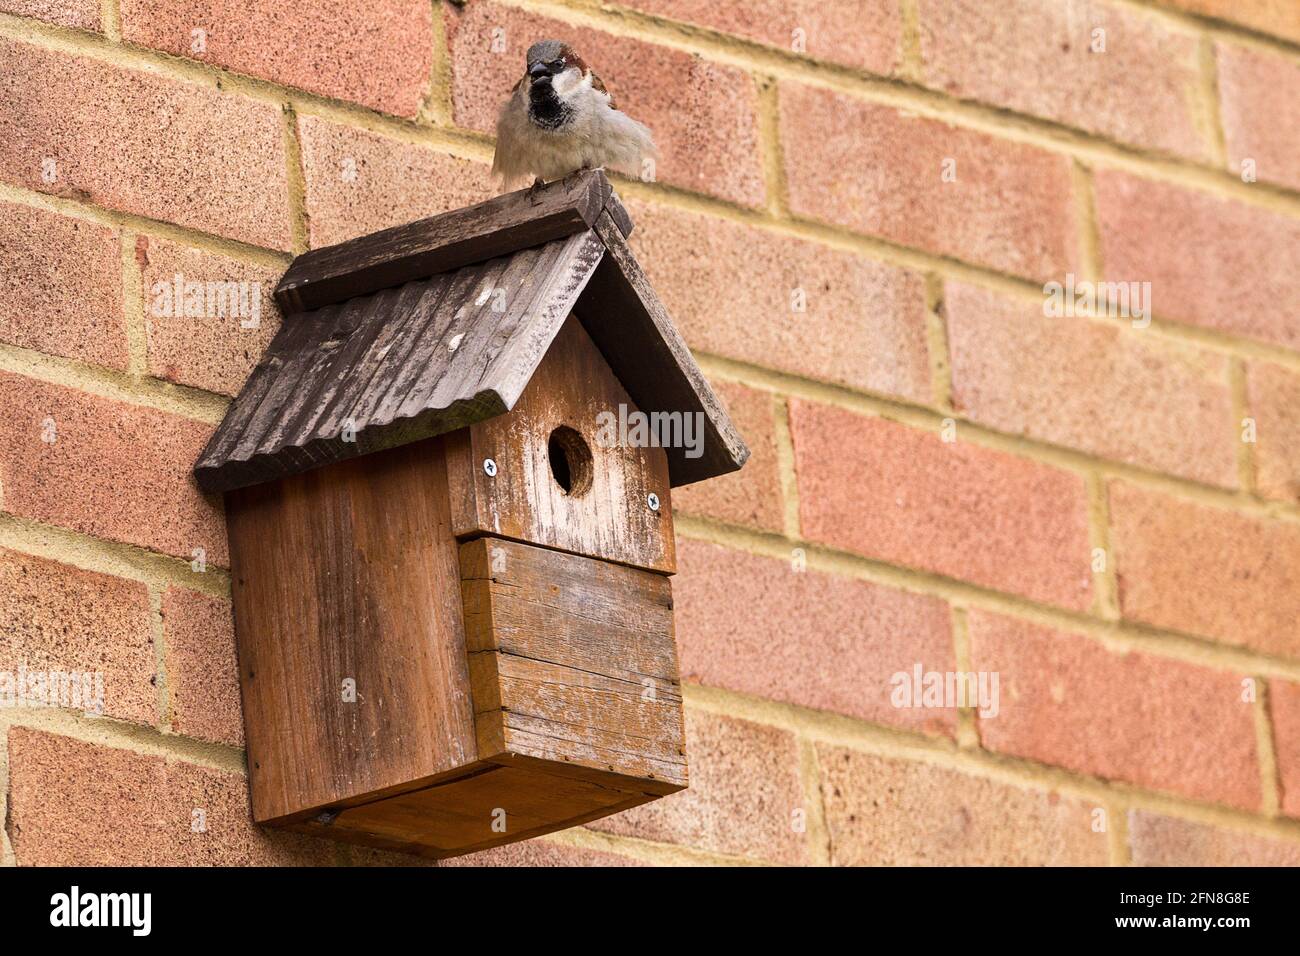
(598, 84)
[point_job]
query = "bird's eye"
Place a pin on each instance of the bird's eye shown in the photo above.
(557, 65)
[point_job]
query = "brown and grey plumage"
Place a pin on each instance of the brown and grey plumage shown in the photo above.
(560, 118)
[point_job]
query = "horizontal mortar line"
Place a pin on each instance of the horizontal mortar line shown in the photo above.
(455, 141)
(144, 391)
(184, 69)
(911, 97)
(1122, 635)
(100, 555)
(838, 730)
(1226, 29)
(122, 735)
(930, 419)
(900, 94)
(644, 850)
(948, 268)
(1190, 21)
(143, 225)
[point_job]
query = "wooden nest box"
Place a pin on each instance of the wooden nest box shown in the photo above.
(449, 508)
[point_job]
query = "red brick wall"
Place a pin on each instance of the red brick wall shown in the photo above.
(943, 475)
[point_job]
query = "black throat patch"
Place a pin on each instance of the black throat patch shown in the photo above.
(545, 108)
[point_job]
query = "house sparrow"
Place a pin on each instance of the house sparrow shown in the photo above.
(559, 118)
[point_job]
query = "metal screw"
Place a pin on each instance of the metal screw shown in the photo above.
(653, 501)
(489, 467)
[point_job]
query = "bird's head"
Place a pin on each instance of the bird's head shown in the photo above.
(554, 64)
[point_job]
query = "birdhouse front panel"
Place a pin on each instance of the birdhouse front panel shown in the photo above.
(448, 489)
(572, 661)
(566, 471)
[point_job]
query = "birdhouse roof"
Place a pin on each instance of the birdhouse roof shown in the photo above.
(429, 327)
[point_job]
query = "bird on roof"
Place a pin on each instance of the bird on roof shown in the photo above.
(560, 118)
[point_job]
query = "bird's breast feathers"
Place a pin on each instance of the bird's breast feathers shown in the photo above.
(574, 125)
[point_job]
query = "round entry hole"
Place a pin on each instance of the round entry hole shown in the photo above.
(570, 460)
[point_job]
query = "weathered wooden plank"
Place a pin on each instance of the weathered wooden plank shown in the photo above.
(619, 214)
(632, 329)
(427, 357)
(344, 381)
(489, 806)
(604, 515)
(332, 583)
(462, 237)
(572, 660)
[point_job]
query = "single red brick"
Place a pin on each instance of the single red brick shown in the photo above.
(751, 496)
(703, 114)
(1070, 701)
(142, 143)
(54, 617)
(106, 468)
(1211, 262)
(1284, 709)
(73, 803)
(360, 182)
(1280, 18)
(856, 33)
(1207, 571)
(80, 14)
(202, 674)
(1037, 57)
(733, 290)
(535, 853)
(896, 494)
(209, 336)
(378, 54)
(1167, 841)
(770, 629)
(1274, 396)
(1259, 100)
(743, 796)
(887, 812)
(1061, 379)
(61, 286)
(882, 172)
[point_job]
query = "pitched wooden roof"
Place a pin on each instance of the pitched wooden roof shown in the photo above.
(426, 328)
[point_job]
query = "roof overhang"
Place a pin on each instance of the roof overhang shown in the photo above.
(429, 327)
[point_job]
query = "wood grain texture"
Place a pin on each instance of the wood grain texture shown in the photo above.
(573, 661)
(619, 214)
(422, 358)
(491, 805)
(611, 519)
(397, 366)
(417, 250)
(630, 326)
(331, 581)
(577, 708)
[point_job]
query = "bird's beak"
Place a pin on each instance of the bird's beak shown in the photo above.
(538, 70)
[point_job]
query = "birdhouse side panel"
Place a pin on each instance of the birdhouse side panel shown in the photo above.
(351, 641)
